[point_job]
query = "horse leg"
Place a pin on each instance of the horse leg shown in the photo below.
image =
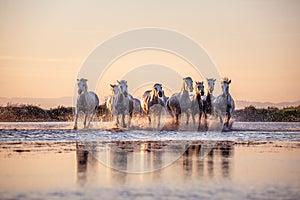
(85, 118)
(117, 120)
(220, 117)
(159, 116)
(205, 121)
(199, 123)
(177, 119)
(91, 119)
(123, 120)
(193, 117)
(187, 117)
(130, 117)
(76, 118)
(228, 118)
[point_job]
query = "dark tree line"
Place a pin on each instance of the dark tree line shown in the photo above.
(32, 113)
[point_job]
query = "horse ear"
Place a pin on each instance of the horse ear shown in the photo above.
(214, 80)
(78, 79)
(229, 81)
(111, 85)
(118, 82)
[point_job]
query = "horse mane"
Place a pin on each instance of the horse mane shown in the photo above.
(184, 82)
(123, 81)
(225, 80)
(153, 92)
(210, 79)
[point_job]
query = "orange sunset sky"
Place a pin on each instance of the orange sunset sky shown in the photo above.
(256, 43)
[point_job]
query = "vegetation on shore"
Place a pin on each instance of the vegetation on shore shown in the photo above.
(32, 113)
(270, 114)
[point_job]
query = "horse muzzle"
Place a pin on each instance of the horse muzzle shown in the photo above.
(160, 94)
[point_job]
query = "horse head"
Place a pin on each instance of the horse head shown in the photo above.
(114, 89)
(188, 84)
(157, 89)
(82, 85)
(199, 88)
(225, 85)
(123, 87)
(210, 85)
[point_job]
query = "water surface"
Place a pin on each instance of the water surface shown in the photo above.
(52, 161)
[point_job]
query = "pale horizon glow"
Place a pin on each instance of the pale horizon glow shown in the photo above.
(254, 43)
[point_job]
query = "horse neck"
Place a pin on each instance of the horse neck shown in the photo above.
(84, 93)
(183, 88)
(119, 98)
(225, 94)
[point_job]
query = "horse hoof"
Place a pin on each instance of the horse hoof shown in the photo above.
(75, 128)
(225, 129)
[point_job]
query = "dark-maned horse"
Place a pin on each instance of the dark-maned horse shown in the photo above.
(197, 107)
(152, 104)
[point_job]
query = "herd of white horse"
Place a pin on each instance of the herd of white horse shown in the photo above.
(154, 102)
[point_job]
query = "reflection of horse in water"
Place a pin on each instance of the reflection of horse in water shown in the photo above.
(199, 159)
(82, 162)
(122, 104)
(180, 102)
(87, 103)
(152, 104)
(225, 103)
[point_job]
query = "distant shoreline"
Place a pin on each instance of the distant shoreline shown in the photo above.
(48, 103)
(31, 113)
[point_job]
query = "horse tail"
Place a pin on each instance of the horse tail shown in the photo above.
(131, 107)
(96, 101)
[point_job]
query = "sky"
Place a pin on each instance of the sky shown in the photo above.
(43, 44)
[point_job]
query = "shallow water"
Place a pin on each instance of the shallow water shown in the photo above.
(62, 131)
(56, 170)
(49, 160)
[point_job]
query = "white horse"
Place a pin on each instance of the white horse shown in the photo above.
(122, 104)
(110, 99)
(87, 102)
(197, 103)
(152, 102)
(225, 103)
(180, 102)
